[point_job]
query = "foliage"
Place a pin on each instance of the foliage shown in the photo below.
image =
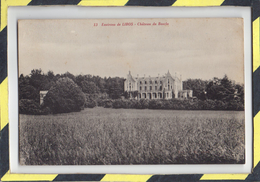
(216, 89)
(224, 90)
(198, 87)
(27, 91)
(115, 87)
(65, 96)
(173, 104)
(89, 87)
(215, 94)
(130, 94)
(27, 106)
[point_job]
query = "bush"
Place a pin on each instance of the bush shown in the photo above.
(209, 104)
(144, 103)
(118, 104)
(235, 105)
(174, 104)
(108, 103)
(90, 104)
(65, 96)
(27, 106)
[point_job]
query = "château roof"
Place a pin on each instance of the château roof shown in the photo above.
(149, 78)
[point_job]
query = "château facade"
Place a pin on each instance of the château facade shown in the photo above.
(160, 87)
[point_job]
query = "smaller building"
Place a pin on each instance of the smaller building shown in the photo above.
(43, 93)
(185, 94)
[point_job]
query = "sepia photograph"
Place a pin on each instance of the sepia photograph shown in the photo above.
(131, 91)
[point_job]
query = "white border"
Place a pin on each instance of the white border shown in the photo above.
(76, 12)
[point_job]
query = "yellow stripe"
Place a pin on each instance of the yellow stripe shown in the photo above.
(122, 177)
(198, 3)
(3, 103)
(256, 139)
(28, 177)
(256, 49)
(224, 177)
(5, 4)
(103, 2)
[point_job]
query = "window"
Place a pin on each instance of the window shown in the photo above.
(155, 81)
(145, 88)
(144, 82)
(140, 88)
(155, 87)
(160, 87)
(140, 82)
(151, 82)
(150, 87)
(160, 82)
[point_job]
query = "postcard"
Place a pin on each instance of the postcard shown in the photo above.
(131, 91)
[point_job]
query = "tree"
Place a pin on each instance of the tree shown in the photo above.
(50, 75)
(69, 75)
(115, 87)
(27, 91)
(221, 89)
(89, 87)
(198, 87)
(240, 92)
(65, 96)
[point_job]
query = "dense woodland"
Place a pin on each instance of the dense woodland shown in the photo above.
(68, 93)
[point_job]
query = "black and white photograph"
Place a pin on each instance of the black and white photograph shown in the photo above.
(131, 91)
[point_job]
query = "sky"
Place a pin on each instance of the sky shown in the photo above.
(193, 47)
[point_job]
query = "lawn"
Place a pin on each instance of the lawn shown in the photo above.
(129, 136)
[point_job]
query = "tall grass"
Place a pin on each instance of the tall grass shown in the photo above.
(118, 136)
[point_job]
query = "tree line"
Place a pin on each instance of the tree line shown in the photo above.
(67, 93)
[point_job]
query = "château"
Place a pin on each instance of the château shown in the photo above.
(160, 87)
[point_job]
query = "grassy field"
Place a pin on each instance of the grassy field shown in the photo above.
(129, 136)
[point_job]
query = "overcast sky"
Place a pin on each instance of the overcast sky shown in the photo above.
(196, 48)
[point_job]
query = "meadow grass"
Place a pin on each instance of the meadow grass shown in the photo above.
(128, 136)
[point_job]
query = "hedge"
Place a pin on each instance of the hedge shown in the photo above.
(172, 104)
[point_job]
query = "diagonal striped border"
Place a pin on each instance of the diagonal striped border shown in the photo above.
(4, 155)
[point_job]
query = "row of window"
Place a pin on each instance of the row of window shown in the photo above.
(151, 82)
(151, 88)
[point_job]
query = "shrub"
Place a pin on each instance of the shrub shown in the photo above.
(90, 104)
(28, 106)
(235, 105)
(108, 103)
(65, 96)
(172, 104)
(209, 104)
(220, 105)
(118, 104)
(144, 103)
(152, 104)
